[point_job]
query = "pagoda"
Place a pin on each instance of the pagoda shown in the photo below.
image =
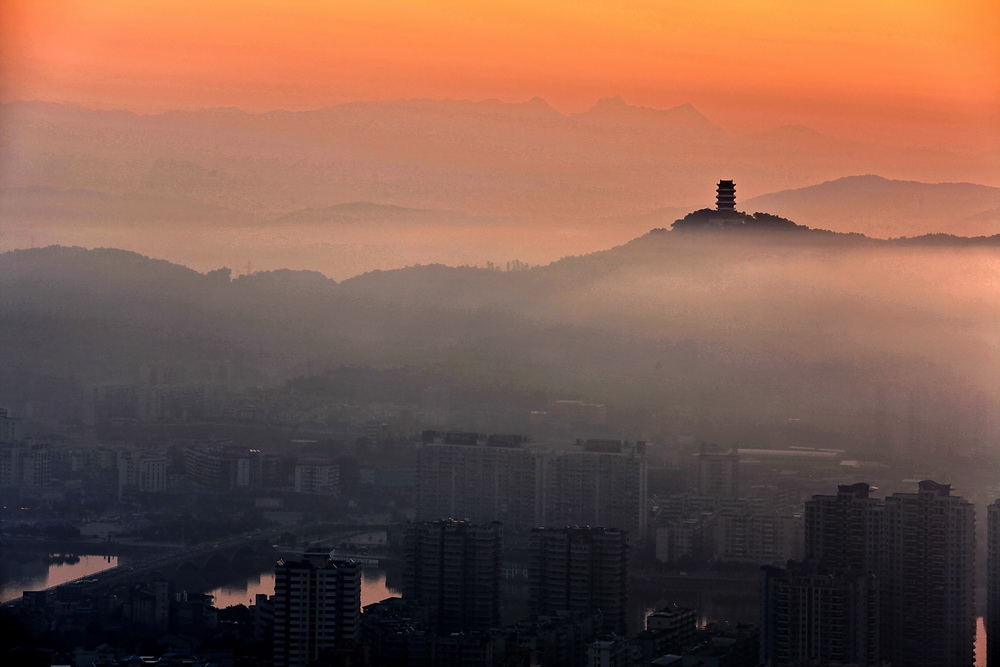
(725, 200)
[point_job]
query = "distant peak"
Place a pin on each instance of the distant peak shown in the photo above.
(613, 101)
(207, 111)
(875, 178)
(686, 110)
(537, 102)
(686, 107)
(684, 115)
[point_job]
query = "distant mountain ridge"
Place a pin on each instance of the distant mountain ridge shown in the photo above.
(45, 205)
(682, 118)
(886, 207)
(369, 212)
(486, 157)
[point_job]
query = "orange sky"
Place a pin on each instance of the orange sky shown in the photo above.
(928, 72)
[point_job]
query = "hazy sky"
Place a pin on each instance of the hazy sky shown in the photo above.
(911, 71)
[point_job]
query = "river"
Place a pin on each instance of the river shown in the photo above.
(31, 570)
(373, 589)
(27, 570)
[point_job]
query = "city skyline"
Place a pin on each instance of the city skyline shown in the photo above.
(605, 333)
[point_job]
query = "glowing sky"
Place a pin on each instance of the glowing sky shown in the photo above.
(927, 71)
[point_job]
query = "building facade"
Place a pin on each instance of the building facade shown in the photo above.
(452, 572)
(993, 584)
(317, 476)
(496, 478)
(844, 531)
(718, 473)
(580, 569)
(24, 465)
(921, 548)
(603, 484)
(478, 477)
(928, 578)
(317, 606)
(811, 613)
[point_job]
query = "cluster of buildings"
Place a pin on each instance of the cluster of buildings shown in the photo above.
(24, 463)
(450, 610)
(499, 478)
(719, 523)
(164, 392)
(180, 393)
(884, 581)
(155, 608)
(40, 468)
(863, 580)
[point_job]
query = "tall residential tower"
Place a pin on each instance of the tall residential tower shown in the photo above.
(928, 578)
(580, 569)
(317, 606)
(993, 584)
(452, 573)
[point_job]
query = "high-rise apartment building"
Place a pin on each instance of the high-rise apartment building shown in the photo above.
(317, 606)
(24, 464)
(224, 465)
(477, 477)
(844, 531)
(10, 427)
(580, 569)
(811, 613)
(718, 473)
(452, 572)
(146, 473)
(749, 537)
(993, 584)
(603, 484)
(928, 578)
(921, 547)
(495, 478)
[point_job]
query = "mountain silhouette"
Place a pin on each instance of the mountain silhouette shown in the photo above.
(487, 157)
(718, 329)
(885, 207)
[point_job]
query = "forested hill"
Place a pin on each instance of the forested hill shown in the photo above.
(715, 328)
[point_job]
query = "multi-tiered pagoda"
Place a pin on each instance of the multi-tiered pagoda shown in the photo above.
(725, 200)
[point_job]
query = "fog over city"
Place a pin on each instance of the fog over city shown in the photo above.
(570, 334)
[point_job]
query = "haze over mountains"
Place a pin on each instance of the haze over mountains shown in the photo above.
(376, 185)
(728, 335)
(720, 334)
(515, 159)
(886, 208)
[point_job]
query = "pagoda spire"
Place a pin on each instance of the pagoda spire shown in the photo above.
(726, 198)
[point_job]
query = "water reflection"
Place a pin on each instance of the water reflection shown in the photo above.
(980, 643)
(373, 589)
(34, 570)
(25, 570)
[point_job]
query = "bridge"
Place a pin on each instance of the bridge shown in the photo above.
(217, 555)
